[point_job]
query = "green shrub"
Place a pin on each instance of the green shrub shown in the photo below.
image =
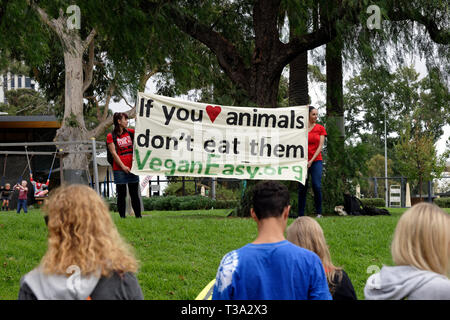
(174, 203)
(442, 202)
(111, 203)
(176, 188)
(373, 202)
(222, 193)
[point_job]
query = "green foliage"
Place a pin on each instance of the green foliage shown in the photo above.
(222, 192)
(174, 203)
(373, 202)
(442, 202)
(72, 121)
(402, 95)
(177, 203)
(26, 102)
(344, 168)
(376, 166)
(417, 155)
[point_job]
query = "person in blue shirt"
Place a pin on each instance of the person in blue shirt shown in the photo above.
(271, 268)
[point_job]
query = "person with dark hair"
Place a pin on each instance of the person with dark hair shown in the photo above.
(316, 140)
(40, 188)
(271, 268)
(120, 144)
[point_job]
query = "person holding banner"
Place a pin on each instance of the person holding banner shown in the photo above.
(120, 144)
(316, 139)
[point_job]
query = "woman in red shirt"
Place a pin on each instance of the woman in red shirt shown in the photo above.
(122, 151)
(316, 139)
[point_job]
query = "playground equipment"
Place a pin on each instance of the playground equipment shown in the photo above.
(395, 192)
(87, 147)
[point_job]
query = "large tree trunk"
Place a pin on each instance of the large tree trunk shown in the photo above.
(334, 180)
(73, 126)
(298, 81)
(335, 95)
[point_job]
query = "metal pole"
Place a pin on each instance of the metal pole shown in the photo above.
(375, 186)
(213, 189)
(94, 164)
(385, 160)
(402, 193)
(430, 189)
(107, 181)
(61, 168)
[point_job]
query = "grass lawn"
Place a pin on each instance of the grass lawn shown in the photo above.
(179, 252)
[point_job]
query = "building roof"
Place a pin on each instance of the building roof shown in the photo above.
(43, 121)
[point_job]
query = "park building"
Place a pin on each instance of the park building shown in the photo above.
(10, 81)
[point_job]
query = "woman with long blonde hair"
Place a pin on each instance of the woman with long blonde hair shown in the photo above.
(307, 233)
(86, 257)
(421, 252)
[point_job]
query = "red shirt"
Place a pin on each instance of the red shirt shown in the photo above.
(38, 187)
(124, 148)
(314, 141)
(23, 193)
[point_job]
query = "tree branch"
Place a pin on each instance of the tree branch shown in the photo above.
(89, 39)
(108, 122)
(400, 13)
(89, 67)
(144, 78)
(226, 53)
(44, 16)
(111, 90)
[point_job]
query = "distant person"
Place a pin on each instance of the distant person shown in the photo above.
(421, 252)
(86, 257)
(270, 268)
(307, 233)
(6, 194)
(120, 144)
(23, 196)
(40, 188)
(316, 140)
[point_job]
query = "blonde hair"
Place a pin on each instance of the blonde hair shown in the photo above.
(307, 233)
(81, 232)
(422, 239)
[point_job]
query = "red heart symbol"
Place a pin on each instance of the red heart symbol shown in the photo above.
(213, 112)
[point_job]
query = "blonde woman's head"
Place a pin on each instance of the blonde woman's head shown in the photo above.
(81, 233)
(422, 239)
(307, 233)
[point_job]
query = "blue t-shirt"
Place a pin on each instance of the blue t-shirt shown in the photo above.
(271, 271)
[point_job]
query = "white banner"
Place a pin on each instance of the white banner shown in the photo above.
(182, 138)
